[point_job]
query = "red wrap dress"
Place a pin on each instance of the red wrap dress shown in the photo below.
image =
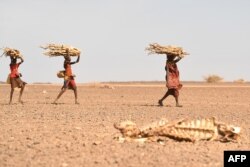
(172, 78)
(15, 79)
(69, 82)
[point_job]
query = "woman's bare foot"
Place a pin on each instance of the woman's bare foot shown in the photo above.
(76, 102)
(178, 105)
(160, 103)
(54, 102)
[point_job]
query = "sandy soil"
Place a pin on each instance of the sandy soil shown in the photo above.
(39, 133)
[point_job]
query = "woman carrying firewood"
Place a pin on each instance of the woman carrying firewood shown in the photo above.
(172, 79)
(69, 82)
(172, 72)
(15, 79)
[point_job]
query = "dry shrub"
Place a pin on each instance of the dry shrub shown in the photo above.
(213, 79)
(239, 81)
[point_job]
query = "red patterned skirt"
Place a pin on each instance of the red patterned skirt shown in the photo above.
(69, 83)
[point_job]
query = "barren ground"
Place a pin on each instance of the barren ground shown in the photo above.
(39, 133)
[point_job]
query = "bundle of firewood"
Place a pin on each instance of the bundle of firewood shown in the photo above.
(155, 48)
(11, 52)
(187, 130)
(60, 50)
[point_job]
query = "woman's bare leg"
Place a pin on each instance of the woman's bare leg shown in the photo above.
(177, 102)
(163, 98)
(11, 95)
(176, 96)
(59, 95)
(21, 93)
(75, 92)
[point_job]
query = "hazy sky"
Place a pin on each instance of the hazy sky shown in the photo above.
(113, 34)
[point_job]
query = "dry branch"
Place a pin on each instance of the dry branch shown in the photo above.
(53, 50)
(11, 52)
(155, 48)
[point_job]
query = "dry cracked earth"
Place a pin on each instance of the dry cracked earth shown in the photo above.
(38, 133)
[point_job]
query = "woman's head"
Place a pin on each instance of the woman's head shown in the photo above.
(13, 60)
(171, 57)
(67, 58)
(67, 51)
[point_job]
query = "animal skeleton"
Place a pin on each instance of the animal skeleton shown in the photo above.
(187, 130)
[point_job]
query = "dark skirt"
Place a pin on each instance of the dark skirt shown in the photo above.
(17, 83)
(173, 92)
